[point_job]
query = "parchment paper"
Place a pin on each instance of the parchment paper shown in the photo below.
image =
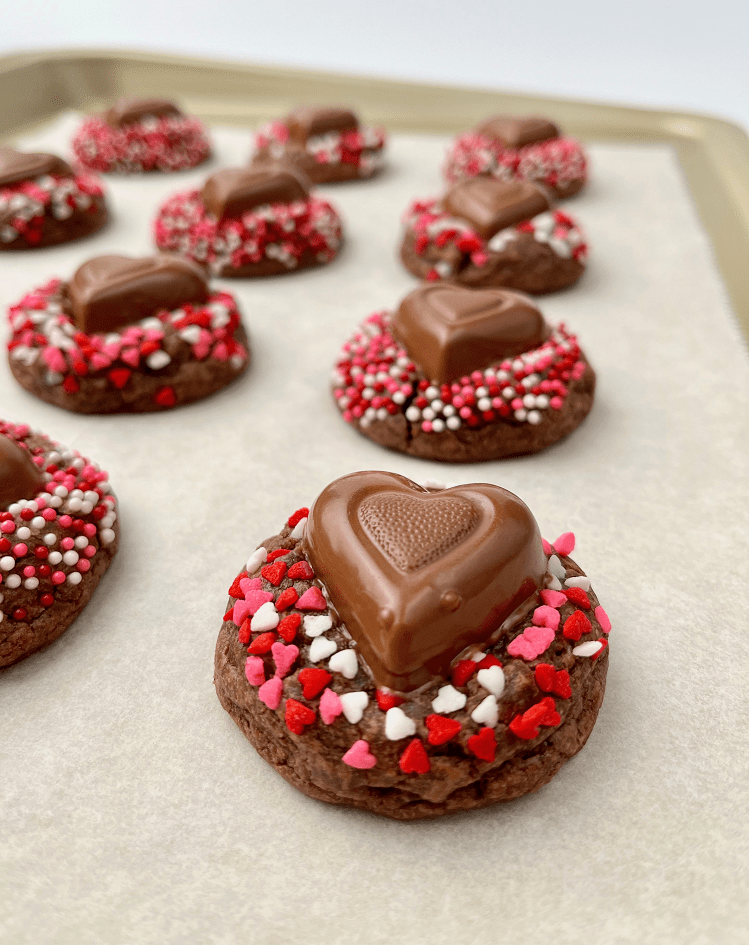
(134, 811)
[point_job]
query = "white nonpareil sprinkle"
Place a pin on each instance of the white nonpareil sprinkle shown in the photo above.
(315, 624)
(492, 679)
(345, 663)
(588, 649)
(487, 712)
(353, 705)
(106, 535)
(398, 725)
(448, 699)
(321, 649)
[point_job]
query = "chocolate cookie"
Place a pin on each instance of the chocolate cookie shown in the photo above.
(58, 535)
(44, 203)
(413, 652)
(327, 143)
(488, 232)
(127, 336)
(463, 375)
(257, 221)
(136, 136)
(528, 148)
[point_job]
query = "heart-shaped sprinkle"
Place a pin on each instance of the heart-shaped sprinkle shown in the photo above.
(262, 644)
(486, 712)
(557, 568)
(287, 628)
(330, 706)
(301, 571)
(270, 692)
(581, 581)
(298, 530)
(131, 356)
(247, 584)
(487, 661)
(578, 596)
(244, 631)
(312, 599)
(554, 583)
(386, 700)
(298, 716)
(565, 544)
(414, 759)
(250, 605)
(587, 649)
(483, 745)
(549, 679)
(448, 699)
(254, 670)
(345, 663)
(493, 680)
(576, 625)
(462, 672)
(235, 590)
(398, 724)
(604, 643)
(315, 624)
(603, 618)
(359, 756)
(532, 642)
(265, 617)
(548, 550)
(313, 680)
(441, 730)
(287, 598)
(553, 598)
(274, 573)
(321, 648)
(284, 657)
(353, 705)
(119, 377)
(256, 559)
(278, 553)
(525, 725)
(546, 617)
(297, 517)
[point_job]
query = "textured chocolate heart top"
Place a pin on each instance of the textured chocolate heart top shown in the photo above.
(126, 111)
(20, 477)
(16, 166)
(234, 191)
(418, 576)
(515, 132)
(309, 120)
(108, 292)
(490, 205)
(450, 331)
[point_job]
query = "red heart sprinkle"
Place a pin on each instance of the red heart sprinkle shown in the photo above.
(71, 385)
(296, 518)
(229, 614)
(483, 745)
(262, 643)
(525, 725)
(301, 571)
(578, 596)
(605, 644)
(119, 377)
(286, 599)
(488, 661)
(235, 591)
(313, 681)
(441, 729)
(287, 628)
(387, 701)
(297, 716)
(549, 679)
(165, 397)
(278, 553)
(244, 632)
(275, 573)
(414, 759)
(462, 672)
(576, 625)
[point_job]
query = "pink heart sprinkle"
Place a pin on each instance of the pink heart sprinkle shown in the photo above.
(543, 617)
(565, 544)
(270, 692)
(220, 352)
(330, 706)
(55, 360)
(548, 550)
(553, 598)
(130, 356)
(254, 670)
(247, 608)
(112, 349)
(532, 642)
(250, 584)
(284, 657)
(100, 361)
(603, 618)
(312, 599)
(359, 756)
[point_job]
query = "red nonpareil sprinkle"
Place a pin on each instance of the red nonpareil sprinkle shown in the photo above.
(288, 627)
(296, 518)
(301, 571)
(263, 643)
(19, 613)
(298, 716)
(483, 745)
(488, 661)
(286, 599)
(576, 625)
(414, 759)
(441, 729)
(578, 596)
(462, 672)
(274, 573)
(312, 599)
(386, 700)
(165, 397)
(46, 600)
(244, 631)
(235, 590)
(313, 680)
(549, 679)
(278, 553)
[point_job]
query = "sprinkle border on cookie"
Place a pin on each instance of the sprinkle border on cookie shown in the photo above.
(27, 206)
(360, 148)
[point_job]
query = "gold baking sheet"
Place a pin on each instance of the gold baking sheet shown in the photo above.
(713, 153)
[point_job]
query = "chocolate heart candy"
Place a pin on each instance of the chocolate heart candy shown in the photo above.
(490, 205)
(450, 331)
(309, 120)
(418, 576)
(16, 166)
(20, 477)
(234, 191)
(111, 291)
(126, 111)
(515, 132)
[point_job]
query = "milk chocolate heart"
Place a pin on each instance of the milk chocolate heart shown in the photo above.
(516, 132)
(234, 191)
(126, 111)
(450, 331)
(309, 120)
(16, 166)
(20, 477)
(490, 205)
(417, 576)
(108, 292)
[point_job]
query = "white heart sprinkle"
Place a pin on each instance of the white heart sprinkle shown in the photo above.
(398, 725)
(554, 584)
(265, 617)
(256, 559)
(315, 624)
(588, 649)
(557, 568)
(353, 705)
(583, 582)
(157, 360)
(298, 531)
(486, 712)
(448, 699)
(321, 648)
(190, 334)
(492, 679)
(345, 663)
